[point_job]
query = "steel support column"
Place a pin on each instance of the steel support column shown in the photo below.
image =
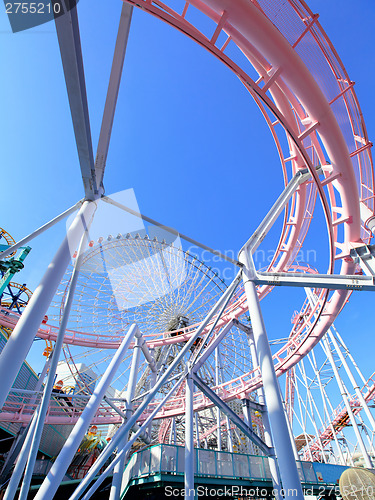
(229, 435)
(40, 230)
(352, 380)
(21, 461)
(345, 398)
(284, 451)
(101, 460)
(196, 428)
(189, 438)
(19, 343)
(118, 470)
(51, 374)
(56, 474)
(265, 420)
(326, 412)
(22, 433)
(217, 382)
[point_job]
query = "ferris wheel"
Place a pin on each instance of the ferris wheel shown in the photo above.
(163, 289)
(311, 108)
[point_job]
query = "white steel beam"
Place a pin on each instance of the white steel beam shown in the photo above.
(280, 433)
(69, 39)
(37, 434)
(103, 459)
(19, 343)
(189, 438)
(112, 92)
(230, 413)
(40, 230)
(264, 227)
(276, 481)
(330, 281)
(51, 483)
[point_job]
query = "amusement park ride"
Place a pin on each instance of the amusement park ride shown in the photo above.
(150, 345)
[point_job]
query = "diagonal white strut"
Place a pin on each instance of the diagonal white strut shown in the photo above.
(68, 35)
(112, 92)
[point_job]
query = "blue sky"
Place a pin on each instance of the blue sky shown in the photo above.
(187, 138)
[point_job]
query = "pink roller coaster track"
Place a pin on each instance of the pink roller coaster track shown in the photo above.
(288, 48)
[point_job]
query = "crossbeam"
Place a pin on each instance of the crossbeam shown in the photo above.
(230, 413)
(69, 39)
(330, 281)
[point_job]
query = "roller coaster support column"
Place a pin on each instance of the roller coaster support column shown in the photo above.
(22, 433)
(196, 429)
(284, 451)
(352, 380)
(21, 461)
(247, 419)
(89, 477)
(295, 452)
(265, 419)
(342, 388)
(217, 382)
(189, 438)
(52, 372)
(56, 474)
(119, 468)
(19, 343)
(174, 431)
(229, 435)
(345, 398)
(325, 407)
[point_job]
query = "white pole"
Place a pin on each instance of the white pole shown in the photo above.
(266, 424)
(247, 420)
(189, 438)
(284, 451)
(349, 355)
(174, 432)
(56, 474)
(326, 412)
(196, 428)
(119, 468)
(51, 375)
(21, 461)
(229, 436)
(19, 343)
(217, 381)
(309, 399)
(90, 476)
(303, 421)
(353, 380)
(345, 398)
(39, 231)
(19, 441)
